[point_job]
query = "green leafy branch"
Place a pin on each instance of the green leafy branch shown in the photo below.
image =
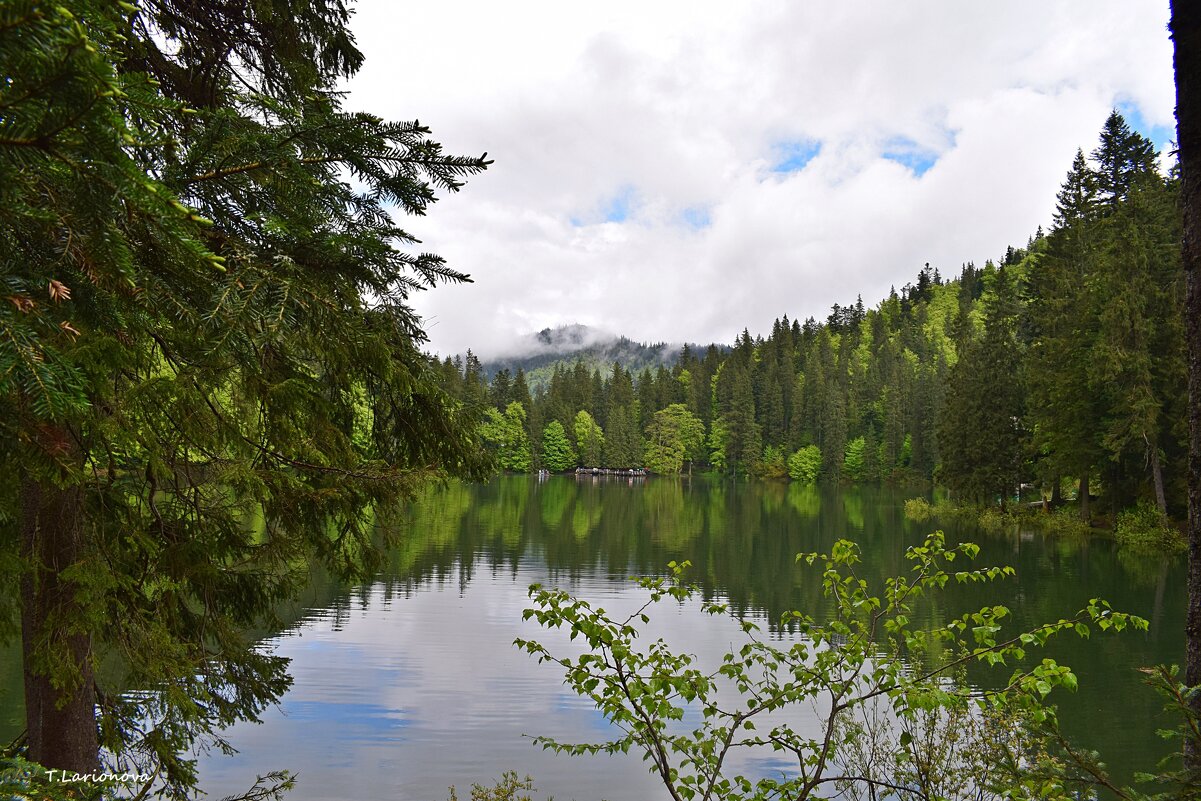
(866, 661)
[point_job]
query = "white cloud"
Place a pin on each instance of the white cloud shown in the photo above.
(685, 108)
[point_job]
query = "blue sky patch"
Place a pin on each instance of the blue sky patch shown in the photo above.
(1160, 135)
(696, 217)
(793, 156)
(617, 208)
(910, 155)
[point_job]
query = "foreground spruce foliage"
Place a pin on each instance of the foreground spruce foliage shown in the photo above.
(209, 372)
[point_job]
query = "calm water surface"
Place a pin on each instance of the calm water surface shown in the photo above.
(412, 683)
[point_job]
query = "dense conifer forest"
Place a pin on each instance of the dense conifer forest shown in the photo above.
(1059, 366)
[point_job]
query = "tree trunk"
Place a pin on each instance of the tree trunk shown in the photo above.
(1057, 492)
(1186, 36)
(1083, 494)
(60, 723)
(1156, 465)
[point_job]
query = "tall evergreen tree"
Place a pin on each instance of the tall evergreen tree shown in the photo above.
(744, 443)
(520, 391)
(980, 434)
(1066, 407)
(500, 393)
(1122, 157)
(173, 173)
(1138, 358)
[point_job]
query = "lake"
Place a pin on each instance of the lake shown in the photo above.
(410, 684)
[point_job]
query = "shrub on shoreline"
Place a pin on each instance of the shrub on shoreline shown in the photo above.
(918, 510)
(1146, 529)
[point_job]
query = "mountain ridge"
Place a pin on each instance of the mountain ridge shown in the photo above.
(565, 345)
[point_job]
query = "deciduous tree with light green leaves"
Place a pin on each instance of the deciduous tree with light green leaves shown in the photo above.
(557, 453)
(805, 465)
(674, 436)
(507, 433)
(589, 439)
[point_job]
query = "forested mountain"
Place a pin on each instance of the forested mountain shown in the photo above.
(538, 354)
(1060, 364)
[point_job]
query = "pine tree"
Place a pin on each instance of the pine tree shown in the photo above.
(623, 438)
(475, 386)
(581, 387)
(520, 391)
(854, 460)
(622, 445)
(772, 403)
(833, 434)
(646, 398)
(826, 405)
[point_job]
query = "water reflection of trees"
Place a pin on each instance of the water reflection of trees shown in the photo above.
(742, 540)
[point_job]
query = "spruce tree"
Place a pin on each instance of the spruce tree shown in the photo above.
(623, 437)
(520, 391)
(744, 443)
(980, 434)
(500, 393)
(1122, 156)
(1066, 406)
(1138, 357)
(204, 320)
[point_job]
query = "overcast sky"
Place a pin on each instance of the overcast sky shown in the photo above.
(676, 171)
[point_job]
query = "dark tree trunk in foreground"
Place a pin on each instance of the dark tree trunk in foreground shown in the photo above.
(60, 723)
(1186, 36)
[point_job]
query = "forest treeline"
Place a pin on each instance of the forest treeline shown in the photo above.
(1061, 365)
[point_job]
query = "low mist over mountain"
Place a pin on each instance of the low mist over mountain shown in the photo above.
(538, 353)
